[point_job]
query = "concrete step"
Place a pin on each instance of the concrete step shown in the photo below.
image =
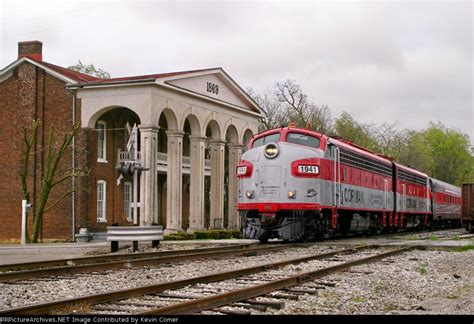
(99, 237)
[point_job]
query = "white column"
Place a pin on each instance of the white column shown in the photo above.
(217, 184)
(196, 212)
(174, 181)
(148, 150)
(235, 153)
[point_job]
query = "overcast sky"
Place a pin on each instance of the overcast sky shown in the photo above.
(381, 61)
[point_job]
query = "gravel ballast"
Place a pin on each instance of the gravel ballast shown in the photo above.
(415, 282)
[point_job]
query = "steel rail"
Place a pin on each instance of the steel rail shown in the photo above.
(104, 258)
(201, 304)
(170, 257)
(45, 308)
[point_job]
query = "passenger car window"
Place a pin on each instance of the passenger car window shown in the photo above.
(266, 139)
(303, 139)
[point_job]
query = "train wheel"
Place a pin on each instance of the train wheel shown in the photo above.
(263, 238)
(309, 236)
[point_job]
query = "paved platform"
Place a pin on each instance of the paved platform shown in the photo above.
(17, 253)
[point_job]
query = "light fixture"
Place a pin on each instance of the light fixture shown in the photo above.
(291, 194)
(250, 194)
(271, 150)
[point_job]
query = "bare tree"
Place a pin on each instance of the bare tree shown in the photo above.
(273, 109)
(52, 175)
(289, 104)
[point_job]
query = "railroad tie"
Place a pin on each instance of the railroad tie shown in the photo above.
(301, 291)
(261, 308)
(325, 283)
(271, 304)
(177, 296)
(106, 308)
(231, 312)
(315, 286)
(283, 296)
(125, 303)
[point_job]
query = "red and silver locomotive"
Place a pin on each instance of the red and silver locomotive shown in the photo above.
(297, 184)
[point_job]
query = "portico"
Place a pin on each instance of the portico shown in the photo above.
(192, 129)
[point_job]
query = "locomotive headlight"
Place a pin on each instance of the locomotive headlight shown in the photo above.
(271, 150)
(250, 194)
(291, 194)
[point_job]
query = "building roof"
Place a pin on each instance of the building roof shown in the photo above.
(83, 78)
(147, 76)
(75, 79)
(77, 76)
(66, 75)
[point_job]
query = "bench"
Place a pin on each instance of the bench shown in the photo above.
(116, 234)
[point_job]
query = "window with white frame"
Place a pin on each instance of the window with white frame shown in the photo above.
(101, 141)
(127, 200)
(101, 187)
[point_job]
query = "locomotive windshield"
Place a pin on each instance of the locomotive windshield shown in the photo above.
(266, 139)
(303, 139)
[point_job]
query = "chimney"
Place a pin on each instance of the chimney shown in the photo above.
(31, 49)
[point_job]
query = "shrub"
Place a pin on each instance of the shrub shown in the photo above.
(203, 235)
(180, 236)
(216, 234)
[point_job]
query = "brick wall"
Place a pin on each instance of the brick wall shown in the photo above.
(29, 94)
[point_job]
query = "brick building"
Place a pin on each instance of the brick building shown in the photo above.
(191, 129)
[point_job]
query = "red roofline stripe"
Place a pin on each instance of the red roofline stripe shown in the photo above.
(77, 76)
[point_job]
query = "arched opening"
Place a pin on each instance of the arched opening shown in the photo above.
(112, 195)
(186, 174)
(232, 139)
(162, 168)
(194, 171)
(246, 139)
(169, 180)
(214, 184)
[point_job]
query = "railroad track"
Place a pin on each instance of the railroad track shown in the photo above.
(443, 233)
(288, 283)
(72, 266)
(258, 281)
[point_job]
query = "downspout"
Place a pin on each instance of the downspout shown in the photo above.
(73, 165)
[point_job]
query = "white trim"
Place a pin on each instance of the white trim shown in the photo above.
(220, 102)
(221, 72)
(163, 82)
(5, 76)
(102, 159)
(13, 65)
(103, 209)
